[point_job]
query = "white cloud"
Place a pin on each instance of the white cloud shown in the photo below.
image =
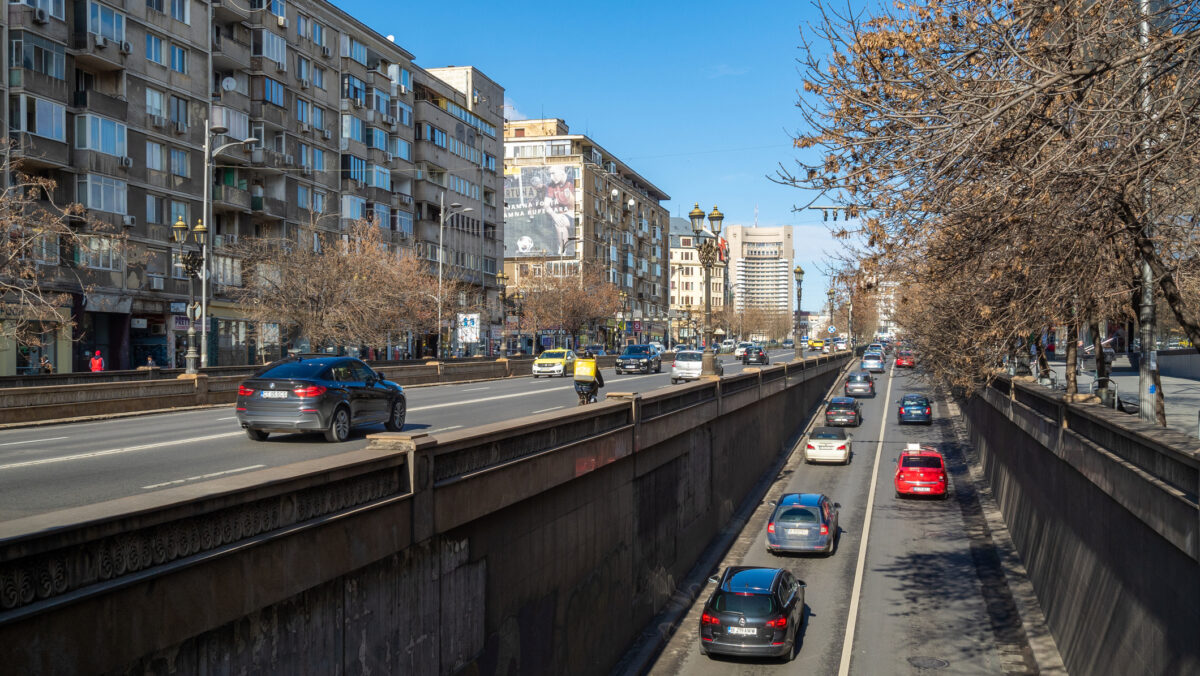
(511, 112)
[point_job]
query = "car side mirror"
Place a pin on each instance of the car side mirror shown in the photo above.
(801, 584)
(772, 503)
(713, 579)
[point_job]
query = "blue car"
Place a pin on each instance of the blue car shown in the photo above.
(873, 362)
(914, 408)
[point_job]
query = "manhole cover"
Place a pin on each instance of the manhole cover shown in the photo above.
(928, 663)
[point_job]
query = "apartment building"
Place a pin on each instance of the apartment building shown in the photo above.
(115, 102)
(687, 282)
(570, 204)
(760, 267)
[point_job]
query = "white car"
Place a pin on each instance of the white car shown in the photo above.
(741, 349)
(839, 345)
(688, 364)
(728, 345)
(828, 444)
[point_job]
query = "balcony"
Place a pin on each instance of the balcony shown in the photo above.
(98, 53)
(229, 198)
(269, 207)
(230, 54)
(96, 162)
(102, 104)
(230, 11)
(403, 199)
(37, 152)
(22, 17)
(269, 113)
(38, 83)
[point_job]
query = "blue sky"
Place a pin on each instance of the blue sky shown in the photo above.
(701, 102)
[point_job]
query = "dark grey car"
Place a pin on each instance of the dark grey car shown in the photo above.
(753, 612)
(318, 394)
(860, 384)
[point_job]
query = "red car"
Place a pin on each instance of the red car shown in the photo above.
(920, 470)
(905, 360)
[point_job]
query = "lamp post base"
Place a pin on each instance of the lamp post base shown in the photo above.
(708, 363)
(799, 351)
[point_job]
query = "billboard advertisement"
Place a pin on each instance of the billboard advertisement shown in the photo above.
(539, 210)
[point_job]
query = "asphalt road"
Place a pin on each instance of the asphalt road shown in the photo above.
(931, 595)
(53, 467)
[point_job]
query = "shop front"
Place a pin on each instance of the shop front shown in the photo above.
(40, 338)
(148, 333)
(102, 324)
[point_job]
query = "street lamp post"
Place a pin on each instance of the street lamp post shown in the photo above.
(624, 321)
(830, 293)
(458, 209)
(798, 347)
(502, 283)
(708, 250)
(193, 263)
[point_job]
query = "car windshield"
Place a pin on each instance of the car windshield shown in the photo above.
(688, 356)
(797, 515)
(921, 462)
(860, 378)
(636, 350)
(554, 354)
(870, 357)
(840, 406)
(295, 369)
(752, 605)
(906, 353)
(914, 401)
(828, 433)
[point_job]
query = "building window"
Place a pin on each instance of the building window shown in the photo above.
(276, 7)
(318, 34)
(405, 78)
(99, 253)
(102, 193)
(179, 59)
(402, 149)
(318, 203)
(227, 270)
(178, 210)
(53, 7)
(154, 48)
(303, 25)
(318, 159)
(355, 168)
(179, 10)
(318, 77)
(269, 45)
(382, 215)
(106, 21)
(303, 67)
(302, 107)
(273, 92)
(379, 139)
(100, 134)
(380, 177)
(381, 101)
(404, 222)
(354, 207)
(154, 206)
(38, 54)
(354, 88)
(303, 197)
(432, 133)
(179, 162)
(154, 103)
(318, 117)
(178, 110)
(355, 50)
(39, 117)
(352, 127)
(156, 5)
(404, 113)
(305, 155)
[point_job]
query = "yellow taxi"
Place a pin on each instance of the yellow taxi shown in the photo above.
(554, 363)
(816, 344)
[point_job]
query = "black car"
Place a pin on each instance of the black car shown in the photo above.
(843, 411)
(318, 394)
(754, 612)
(639, 358)
(755, 355)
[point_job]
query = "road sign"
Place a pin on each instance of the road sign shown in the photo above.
(832, 329)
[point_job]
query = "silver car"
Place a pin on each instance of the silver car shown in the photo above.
(873, 362)
(828, 444)
(688, 364)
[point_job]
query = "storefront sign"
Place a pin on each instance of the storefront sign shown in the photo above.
(178, 307)
(180, 323)
(137, 323)
(107, 302)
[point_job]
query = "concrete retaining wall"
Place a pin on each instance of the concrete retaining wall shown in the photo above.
(1104, 511)
(539, 546)
(1183, 363)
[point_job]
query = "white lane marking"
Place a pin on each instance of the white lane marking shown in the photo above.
(483, 399)
(232, 417)
(444, 429)
(201, 477)
(33, 441)
(547, 410)
(117, 451)
(476, 389)
(852, 619)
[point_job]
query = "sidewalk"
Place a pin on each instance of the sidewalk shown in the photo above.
(1181, 396)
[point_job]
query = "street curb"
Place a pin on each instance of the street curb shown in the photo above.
(651, 641)
(1033, 621)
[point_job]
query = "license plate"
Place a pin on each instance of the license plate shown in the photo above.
(921, 489)
(274, 394)
(797, 531)
(743, 631)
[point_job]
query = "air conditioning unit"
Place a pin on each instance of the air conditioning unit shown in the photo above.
(281, 21)
(393, 123)
(126, 47)
(306, 170)
(101, 42)
(129, 221)
(280, 67)
(41, 16)
(390, 120)
(325, 51)
(127, 162)
(158, 121)
(357, 104)
(180, 127)
(387, 157)
(289, 160)
(403, 89)
(156, 284)
(305, 128)
(328, 134)
(303, 84)
(218, 242)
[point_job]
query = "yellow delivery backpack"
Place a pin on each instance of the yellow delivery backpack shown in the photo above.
(585, 370)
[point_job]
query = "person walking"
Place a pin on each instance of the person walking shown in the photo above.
(46, 365)
(97, 363)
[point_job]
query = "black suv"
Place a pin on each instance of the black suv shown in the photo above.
(639, 358)
(319, 394)
(754, 612)
(755, 354)
(843, 411)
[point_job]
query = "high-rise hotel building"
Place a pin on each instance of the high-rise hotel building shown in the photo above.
(760, 267)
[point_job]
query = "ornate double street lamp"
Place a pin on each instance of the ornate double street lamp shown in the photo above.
(193, 263)
(799, 348)
(502, 282)
(708, 250)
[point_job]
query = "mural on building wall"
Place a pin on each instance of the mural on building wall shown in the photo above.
(539, 210)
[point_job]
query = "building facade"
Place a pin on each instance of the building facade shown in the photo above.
(115, 102)
(571, 204)
(687, 284)
(760, 268)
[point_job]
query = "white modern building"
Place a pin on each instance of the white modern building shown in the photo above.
(760, 267)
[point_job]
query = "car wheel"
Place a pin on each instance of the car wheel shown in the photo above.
(395, 421)
(535, 376)
(257, 435)
(339, 426)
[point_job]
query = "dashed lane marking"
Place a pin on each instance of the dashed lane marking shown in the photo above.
(33, 441)
(117, 451)
(201, 477)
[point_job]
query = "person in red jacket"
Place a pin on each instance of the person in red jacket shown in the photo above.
(97, 363)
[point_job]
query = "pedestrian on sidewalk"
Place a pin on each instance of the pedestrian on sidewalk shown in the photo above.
(97, 363)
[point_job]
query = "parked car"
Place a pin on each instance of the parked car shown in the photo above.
(598, 350)
(728, 345)
(920, 470)
(914, 408)
(318, 394)
(860, 384)
(788, 342)
(639, 358)
(753, 612)
(755, 354)
(905, 359)
(741, 349)
(803, 522)
(687, 366)
(828, 444)
(658, 346)
(554, 363)
(872, 361)
(843, 411)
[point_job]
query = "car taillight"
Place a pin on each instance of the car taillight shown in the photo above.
(770, 526)
(310, 391)
(942, 478)
(900, 476)
(928, 411)
(901, 410)
(810, 447)
(710, 619)
(824, 529)
(842, 447)
(778, 623)
(244, 391)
